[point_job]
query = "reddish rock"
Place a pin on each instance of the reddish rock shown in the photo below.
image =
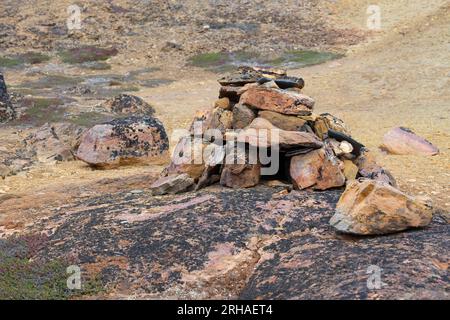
(285, 102)
(124, 141)
(370, 207)
(318, 169)
(404, 141)
(261, 133)
(239, 172)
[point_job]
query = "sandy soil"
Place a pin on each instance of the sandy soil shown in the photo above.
(399, 76)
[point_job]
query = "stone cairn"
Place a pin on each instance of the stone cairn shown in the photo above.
(264, 110)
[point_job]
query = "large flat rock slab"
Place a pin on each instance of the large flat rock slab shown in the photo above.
(253, 243)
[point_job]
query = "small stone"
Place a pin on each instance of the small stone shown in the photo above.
(242, 116)
(239, 173)
(350, 170)
(318, 169)
(277, 100)
(261, 133)
(404, 141)
(369, 207)
(223, 103)
(172, 184)
(289, 123)
(326, 122)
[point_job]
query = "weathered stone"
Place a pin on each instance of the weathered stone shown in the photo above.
(289, 123)
(240, 77)
(223, 103)
(318, 169)
(402, 141)
(284, 82)
(7, 111)
(220, 119)
(54, 142)
(172, 184)
(262, 133)
(339, 148)
(124, 141)
(128, 104)
(201, 118)
(270, 72)
(285, 102)
(326, 122)
(187, 157)
(242, 116)
(350, 170)
(369, 207)
(4, 171)
(241, 173)
(369, 168)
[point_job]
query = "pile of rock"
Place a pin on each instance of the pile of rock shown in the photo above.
(262, 111)
(7, 112)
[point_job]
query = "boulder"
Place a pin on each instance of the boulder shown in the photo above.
(7, 111)
(369, 207)
(242, 116)
(284, 122)
(172, 184)
(124, 141)
(128, 104)
(318, 169)
(403, 141)
(285, 102)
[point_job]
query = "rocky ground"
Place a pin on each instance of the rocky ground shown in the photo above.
(127, 241)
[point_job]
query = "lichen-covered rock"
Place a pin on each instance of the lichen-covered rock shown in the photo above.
(402, 141)
(242, 116)
(240, 77)
(369, 207)
(124, 141)
(281, 101)
(172, 184)
(284, 122)
(220, 119)
(128, 104)
(318, 169)
(7, 111)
